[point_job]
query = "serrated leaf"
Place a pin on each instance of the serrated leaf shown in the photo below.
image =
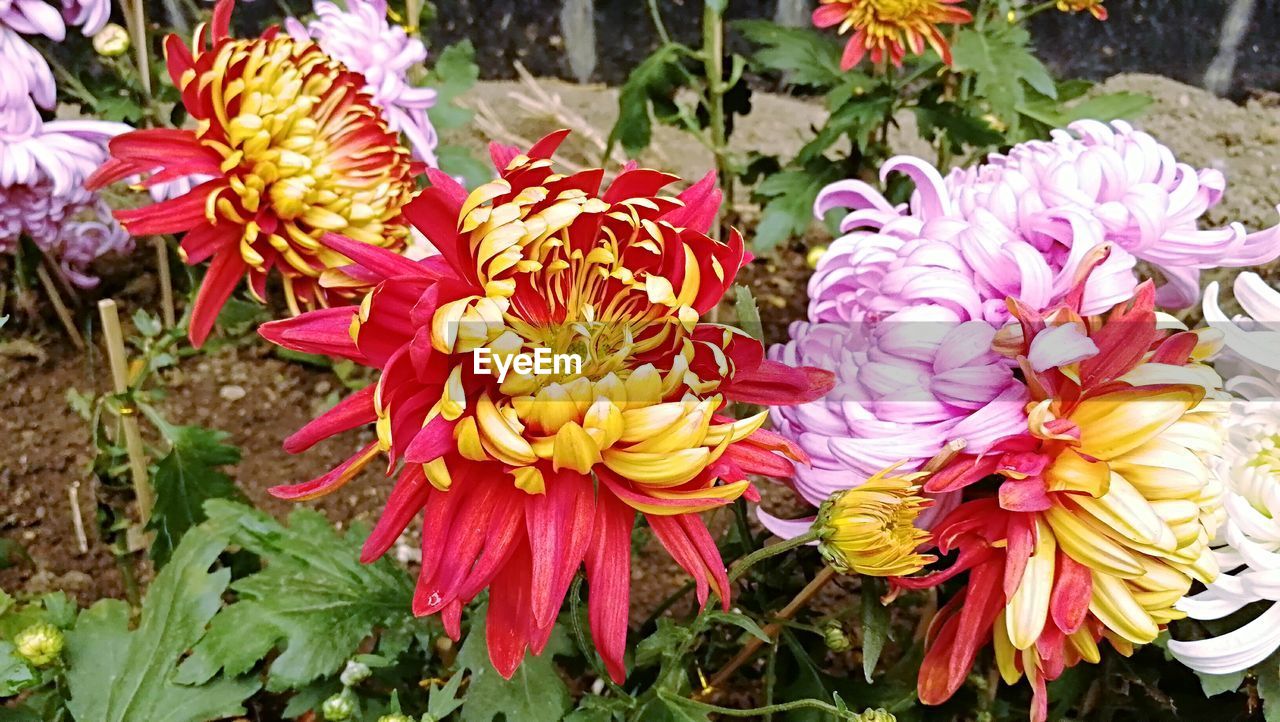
(649, 93)
(875, 624)
(808, 57)
(535, 693)
(789, 210)
(313, 598)
(664, 643)
(453, 74)
(185, 479)
(1001, 62)
(15, 674)
(858, 118)
(442, 701)
(118, 675)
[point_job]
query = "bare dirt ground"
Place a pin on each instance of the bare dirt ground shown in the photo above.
(259, 399)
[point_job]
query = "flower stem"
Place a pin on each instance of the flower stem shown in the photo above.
(656, 15)
(755, 711)
(713, 67)
(754, 644)
(772, 550)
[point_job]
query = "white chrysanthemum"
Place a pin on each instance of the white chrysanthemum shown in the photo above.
(1247, 547)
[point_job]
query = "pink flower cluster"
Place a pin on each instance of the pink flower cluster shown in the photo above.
(904, 306)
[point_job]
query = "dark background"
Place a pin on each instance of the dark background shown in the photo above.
(1177, 38)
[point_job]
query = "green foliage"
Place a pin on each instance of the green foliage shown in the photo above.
(804, 55)
(313, 598)
(119, 675)
(535, 693)
(875, 624)
(184, 480)
(15, 674)
(649, 94)
(1002, 67)
(789, 197)
(748, 313)
(453, 74)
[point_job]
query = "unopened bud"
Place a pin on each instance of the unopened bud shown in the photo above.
(837, 640)
(395, 718)
(877, 715)
(111, 41)
(354, 673)
(338, 708)
(814, 255)
(40, 644)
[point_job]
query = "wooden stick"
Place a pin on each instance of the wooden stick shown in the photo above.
(114, 338)
(64, 315)
(166, 281)
(77, 519)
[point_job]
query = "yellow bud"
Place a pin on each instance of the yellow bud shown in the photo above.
(111, 41)
(871, 530)
(40, 644)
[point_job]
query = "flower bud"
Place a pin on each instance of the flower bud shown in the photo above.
(870, 529)
(40, 644)
(397, 717)
(338, 708)
(877, 715)
(111, 41)
(354, 673)
(814, 255)
(837, 640)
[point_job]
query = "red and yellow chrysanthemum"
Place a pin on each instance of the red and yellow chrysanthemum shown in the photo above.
(1094, 7)
(522, 480)
(291, 148)
(888, 28)
(1094, 522)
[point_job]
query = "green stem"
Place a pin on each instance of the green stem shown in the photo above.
(124, 560)
(755, 711)
(713, 67)
(656, 15)
(770, 551)
(575, 619)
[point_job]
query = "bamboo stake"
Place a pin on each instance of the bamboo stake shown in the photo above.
(136, 18)
(114, 338)
(166, 282)
(77, 519)
(64, 315)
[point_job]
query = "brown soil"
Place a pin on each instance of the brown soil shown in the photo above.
(259, 399)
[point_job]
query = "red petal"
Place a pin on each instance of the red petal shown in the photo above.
(775, 384)
(609, 577)
(183, 213)
(376, 260)
(546, 147)
(1072, 591)
(701, 205)
(331, 481)
(354, 411)
(559, 522)
(433, 441)
(507, 624)
(502, 155)
(324, 331)
(1024, 495)
(221, 279)
(407, 498)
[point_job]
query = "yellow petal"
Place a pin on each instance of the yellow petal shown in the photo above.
(1126, 511)
(1115, 607)
(529, 479)
(574, 449)
(1088, 546)
(1114, 423)
(1029, 607)
(672, 469)
(1006, 655)
(437, 472)
(1072, 472)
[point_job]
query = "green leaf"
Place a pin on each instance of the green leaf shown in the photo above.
(15, 674)
(742, 621)
(665, 643)
(118, 675)
(1269, 689)
(458, 161)
(454, 73)
(442, 701)
(748, 314)
(807, 56)
(1001, 63)
(875, 624)
(185, 479)
(147, 324)
(535, 693)
(313, 598)
(1215, 684)
(954, 123)
(238, 317)
(1110, 107)
(651, 87)
(789, 209)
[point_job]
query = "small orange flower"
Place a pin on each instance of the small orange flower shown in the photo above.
(1093, 6)
(892, 26)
